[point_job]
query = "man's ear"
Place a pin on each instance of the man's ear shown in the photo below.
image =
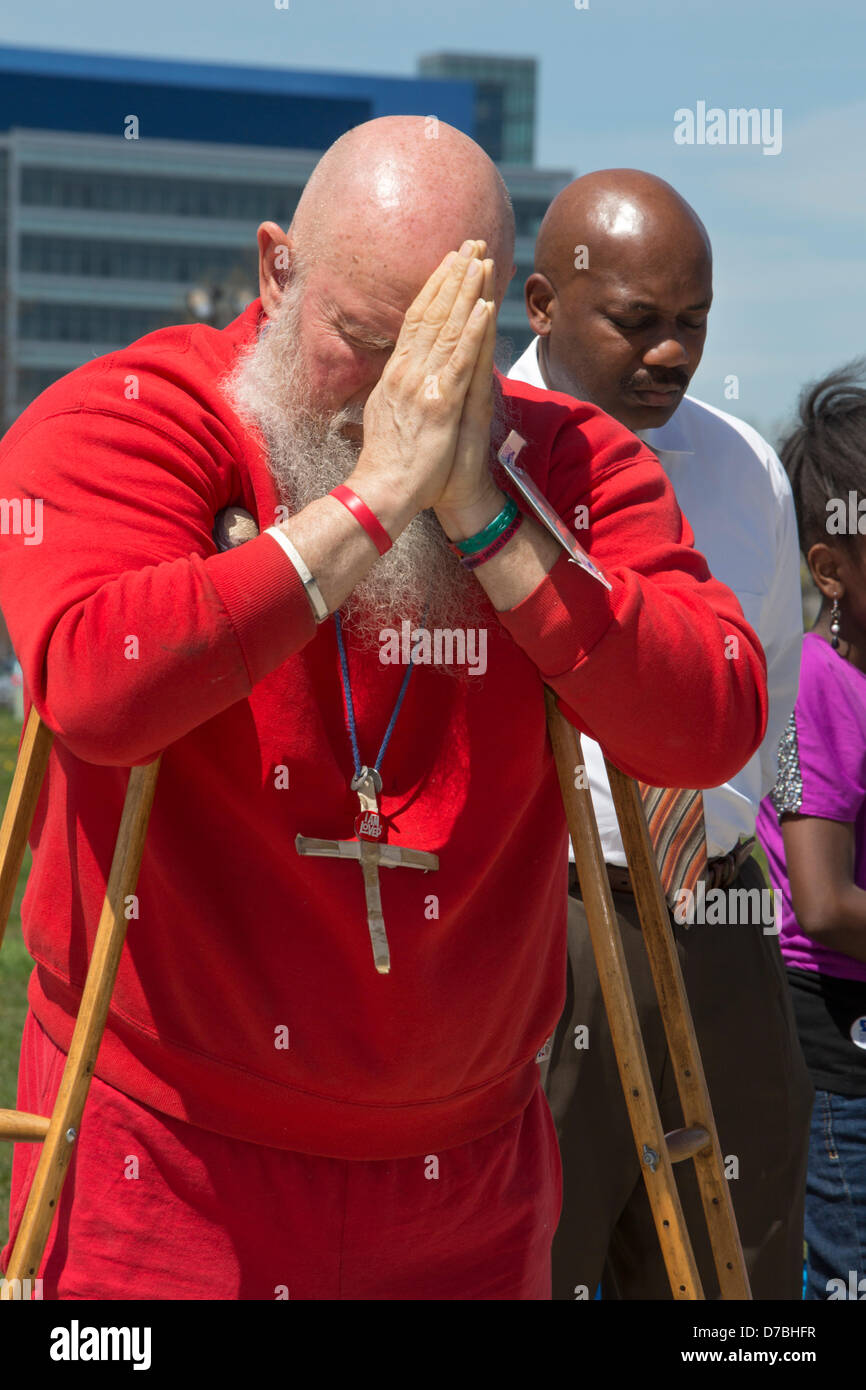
(539, 295)
(275, 264)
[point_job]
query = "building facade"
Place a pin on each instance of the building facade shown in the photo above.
(504, 106)
(130, 192)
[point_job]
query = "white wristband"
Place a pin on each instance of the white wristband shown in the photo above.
(314, 593)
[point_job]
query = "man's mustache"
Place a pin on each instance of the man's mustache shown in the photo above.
(659, 381)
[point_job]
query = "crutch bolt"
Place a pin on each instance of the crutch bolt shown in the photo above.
(70, 1136)
(650, 1158)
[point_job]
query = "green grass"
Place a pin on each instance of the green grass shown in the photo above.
(760, 856)
(15, 968)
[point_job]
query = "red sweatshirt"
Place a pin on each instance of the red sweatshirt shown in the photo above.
(247, 1001)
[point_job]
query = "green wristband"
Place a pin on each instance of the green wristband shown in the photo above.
(482, 539)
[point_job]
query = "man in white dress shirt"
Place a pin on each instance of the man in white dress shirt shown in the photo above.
(619, 302)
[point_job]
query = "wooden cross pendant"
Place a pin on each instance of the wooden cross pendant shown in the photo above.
(370, 853)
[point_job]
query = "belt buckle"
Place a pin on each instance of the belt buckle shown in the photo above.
(741, 851)
(725, 867)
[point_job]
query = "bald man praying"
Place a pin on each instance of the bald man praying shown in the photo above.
(319, 1078)
(619, 300)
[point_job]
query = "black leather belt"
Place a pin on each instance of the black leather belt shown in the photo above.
(721, 871)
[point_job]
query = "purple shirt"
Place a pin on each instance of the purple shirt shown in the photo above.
(822, 772)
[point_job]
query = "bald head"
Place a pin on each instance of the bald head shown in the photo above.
(396, 194)
(380, 211)
(620, 294)
(620, 213)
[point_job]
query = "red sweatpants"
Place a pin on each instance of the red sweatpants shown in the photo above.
(153, 1208)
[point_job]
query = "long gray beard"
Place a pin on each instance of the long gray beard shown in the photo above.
(308, 456)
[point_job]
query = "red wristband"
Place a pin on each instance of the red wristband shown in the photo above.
(361, 512)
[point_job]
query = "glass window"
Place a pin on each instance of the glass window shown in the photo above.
(130, 260)
(158, 194)
(89, 323)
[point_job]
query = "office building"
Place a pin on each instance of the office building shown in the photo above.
(131, 189)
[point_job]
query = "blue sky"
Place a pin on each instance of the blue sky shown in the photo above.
(787, 230)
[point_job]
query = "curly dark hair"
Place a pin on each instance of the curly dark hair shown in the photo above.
(825, 455)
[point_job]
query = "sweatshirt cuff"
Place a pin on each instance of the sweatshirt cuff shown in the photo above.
(266, 603)
(561, 621)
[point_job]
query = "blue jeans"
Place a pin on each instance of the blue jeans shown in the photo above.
(835, 1226)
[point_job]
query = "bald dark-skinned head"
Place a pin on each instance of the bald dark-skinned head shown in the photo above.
(620, 294)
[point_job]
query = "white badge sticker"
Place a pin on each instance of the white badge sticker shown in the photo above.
(858, 1032)
(543, 510)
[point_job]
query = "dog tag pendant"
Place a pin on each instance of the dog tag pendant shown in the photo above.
(368, 786)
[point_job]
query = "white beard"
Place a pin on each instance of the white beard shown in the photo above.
(308, 456)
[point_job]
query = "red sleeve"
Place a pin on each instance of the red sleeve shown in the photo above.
(130, 628)
(662, 670)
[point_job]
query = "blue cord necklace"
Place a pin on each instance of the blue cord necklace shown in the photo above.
(361, 772)
(368, 849)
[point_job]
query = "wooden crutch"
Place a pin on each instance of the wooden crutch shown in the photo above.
(20, 809)
(657, 1151)
(58, 1134)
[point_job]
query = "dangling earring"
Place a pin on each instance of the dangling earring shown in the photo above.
(835, 621)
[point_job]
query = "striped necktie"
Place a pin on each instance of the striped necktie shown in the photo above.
(675, 820)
